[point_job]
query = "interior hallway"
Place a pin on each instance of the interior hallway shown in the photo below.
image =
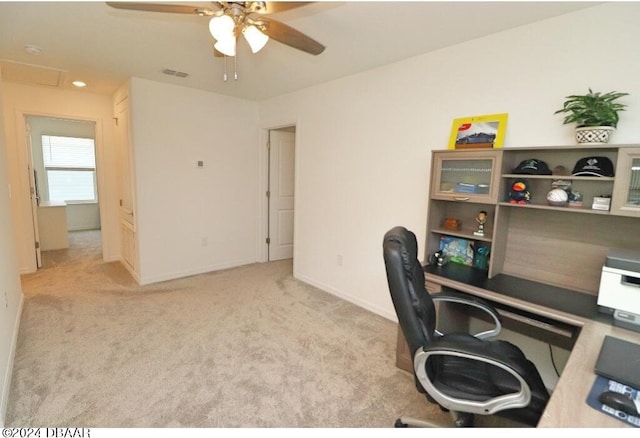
(83, 245)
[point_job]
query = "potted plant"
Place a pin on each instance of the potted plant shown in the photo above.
(595, 114)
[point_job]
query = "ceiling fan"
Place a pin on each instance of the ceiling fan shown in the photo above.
(231, 19)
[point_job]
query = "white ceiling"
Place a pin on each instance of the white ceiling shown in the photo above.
(104, 46)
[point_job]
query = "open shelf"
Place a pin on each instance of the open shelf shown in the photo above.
(465, 234)
(555, 177)
(551, 207)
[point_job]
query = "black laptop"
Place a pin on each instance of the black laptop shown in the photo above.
(620, 361)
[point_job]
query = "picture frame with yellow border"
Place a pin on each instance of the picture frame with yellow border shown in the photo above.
(478, 132)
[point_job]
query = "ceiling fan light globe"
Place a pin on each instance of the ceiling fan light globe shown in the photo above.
(226, 46)
(256, 39)
(221, 27)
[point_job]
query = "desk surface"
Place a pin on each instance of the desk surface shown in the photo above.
(567, 406)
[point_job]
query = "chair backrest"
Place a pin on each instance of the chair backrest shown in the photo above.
(405, 275)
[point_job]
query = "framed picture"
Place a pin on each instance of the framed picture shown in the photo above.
(478, 132)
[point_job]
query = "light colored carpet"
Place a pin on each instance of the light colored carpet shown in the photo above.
(245, 347)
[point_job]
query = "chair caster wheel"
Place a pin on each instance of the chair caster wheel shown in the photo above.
(399, 424)
(463, 419)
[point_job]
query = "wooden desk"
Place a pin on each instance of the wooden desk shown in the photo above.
(567, 406)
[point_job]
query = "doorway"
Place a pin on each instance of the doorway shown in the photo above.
(64, 183)
(281, 193)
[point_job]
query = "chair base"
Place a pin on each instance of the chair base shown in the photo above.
(460, 419)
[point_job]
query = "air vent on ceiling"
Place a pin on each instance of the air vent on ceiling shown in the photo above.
(179, 74)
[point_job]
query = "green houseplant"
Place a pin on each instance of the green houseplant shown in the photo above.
(595, 115)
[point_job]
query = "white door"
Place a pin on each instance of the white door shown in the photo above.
(35, 196)
(281, 193)
(127, 223)
(126, 165)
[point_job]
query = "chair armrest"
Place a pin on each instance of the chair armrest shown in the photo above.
(482, 354)
(460, 298)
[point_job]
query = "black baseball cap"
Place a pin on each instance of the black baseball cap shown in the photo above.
(532, 166)
(593, 166)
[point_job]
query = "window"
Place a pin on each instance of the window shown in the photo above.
(70, 165)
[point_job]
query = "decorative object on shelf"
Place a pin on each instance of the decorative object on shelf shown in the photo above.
(602, 202)
(452, 224)
(519, 192)
(457, 250)
(532, 166)
(557, 198)
(478, 132)
(481, 256)
(560, 171)
(594, 134)
(438, 258)
(595, 115)
(575, 199)
(481, 218)
(561, 184)
(594, 166)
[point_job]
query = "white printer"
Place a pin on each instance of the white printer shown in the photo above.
(620, 287)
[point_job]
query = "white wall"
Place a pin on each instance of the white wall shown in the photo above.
(363, 142)
(10, 289)
(23, 100)
(192, 220)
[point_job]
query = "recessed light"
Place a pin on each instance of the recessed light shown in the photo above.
(32, 50)
(79, 84)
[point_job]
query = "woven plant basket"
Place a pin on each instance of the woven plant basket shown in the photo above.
(594, 134)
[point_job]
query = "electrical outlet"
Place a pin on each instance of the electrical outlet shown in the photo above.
(6, 300)
(339, 260)
(204, 241)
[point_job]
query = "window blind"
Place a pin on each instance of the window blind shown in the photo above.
(70, 165)
(68, 152)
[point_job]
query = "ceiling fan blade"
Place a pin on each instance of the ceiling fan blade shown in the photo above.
(291, 37)
(163, 7)
(275, 7)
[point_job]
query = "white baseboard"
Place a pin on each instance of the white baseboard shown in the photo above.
(129, 269)
(345, 296)
(188, 273)
(90, 227)
(4, 402)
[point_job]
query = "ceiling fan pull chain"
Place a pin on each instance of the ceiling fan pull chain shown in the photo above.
(235, 67)
(224, 76)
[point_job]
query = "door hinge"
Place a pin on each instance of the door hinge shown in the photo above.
(37, 245)
(268, 240)
(269, 145)
(268, 194)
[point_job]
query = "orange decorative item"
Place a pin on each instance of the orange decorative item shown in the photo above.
(451, 224)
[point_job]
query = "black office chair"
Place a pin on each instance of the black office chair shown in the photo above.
(465, 374)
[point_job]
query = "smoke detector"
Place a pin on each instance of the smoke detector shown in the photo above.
(32, 50)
